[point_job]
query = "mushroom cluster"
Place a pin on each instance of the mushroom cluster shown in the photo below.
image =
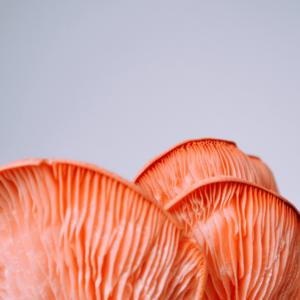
(229, 202)
(203, 220)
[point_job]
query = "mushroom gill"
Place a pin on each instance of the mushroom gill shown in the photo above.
(70, 230)
(189, 162)
(266, 175)
(250, 236)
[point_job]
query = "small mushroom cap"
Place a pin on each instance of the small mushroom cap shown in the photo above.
(189, 162)
(266, 175)
(250, 236)
(70, 230)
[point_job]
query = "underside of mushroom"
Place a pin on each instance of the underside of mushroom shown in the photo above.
(69, 231)
(250, 237)
(229, 202)
(175, 170)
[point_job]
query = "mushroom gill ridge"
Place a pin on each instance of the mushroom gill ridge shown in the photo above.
(189, 162)
(70, 230)
(266, 175)
(250, 236)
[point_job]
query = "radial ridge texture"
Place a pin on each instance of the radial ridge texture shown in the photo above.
(172, 172)
(73, 232)
(250, 237)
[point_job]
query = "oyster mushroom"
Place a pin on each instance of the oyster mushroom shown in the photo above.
(173, 171)
(70, 230)
(228, 201)
(267, 178)
(249, 234)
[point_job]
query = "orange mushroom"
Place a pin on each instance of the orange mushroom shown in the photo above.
(173, 171)
(71, 230)
(249, 234)
(267, 178)
(228, 201)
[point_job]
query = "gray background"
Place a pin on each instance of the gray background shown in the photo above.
(116, 83)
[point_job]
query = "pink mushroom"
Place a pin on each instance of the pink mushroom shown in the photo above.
(173, 171)
(249, 234)
(70, 230)
(228, 201)
(267, 178)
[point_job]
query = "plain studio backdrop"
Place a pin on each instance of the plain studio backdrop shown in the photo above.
(115, 83)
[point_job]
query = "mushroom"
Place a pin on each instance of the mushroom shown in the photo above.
(249, 234)
(173, 171)
(228, 201)
(71, 230)
(267, 178)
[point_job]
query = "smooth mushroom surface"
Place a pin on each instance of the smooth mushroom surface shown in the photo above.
(250, 236)
(71, 230)
(173, 171)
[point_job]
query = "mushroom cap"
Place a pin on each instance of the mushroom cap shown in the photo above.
(266, 175)
(71, 230)
(173, 171)
(250, 236)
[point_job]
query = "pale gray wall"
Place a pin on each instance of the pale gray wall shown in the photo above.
(117, 82)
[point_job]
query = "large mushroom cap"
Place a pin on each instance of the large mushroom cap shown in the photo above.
(70, 230)
(173, 171)
(249, 234)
